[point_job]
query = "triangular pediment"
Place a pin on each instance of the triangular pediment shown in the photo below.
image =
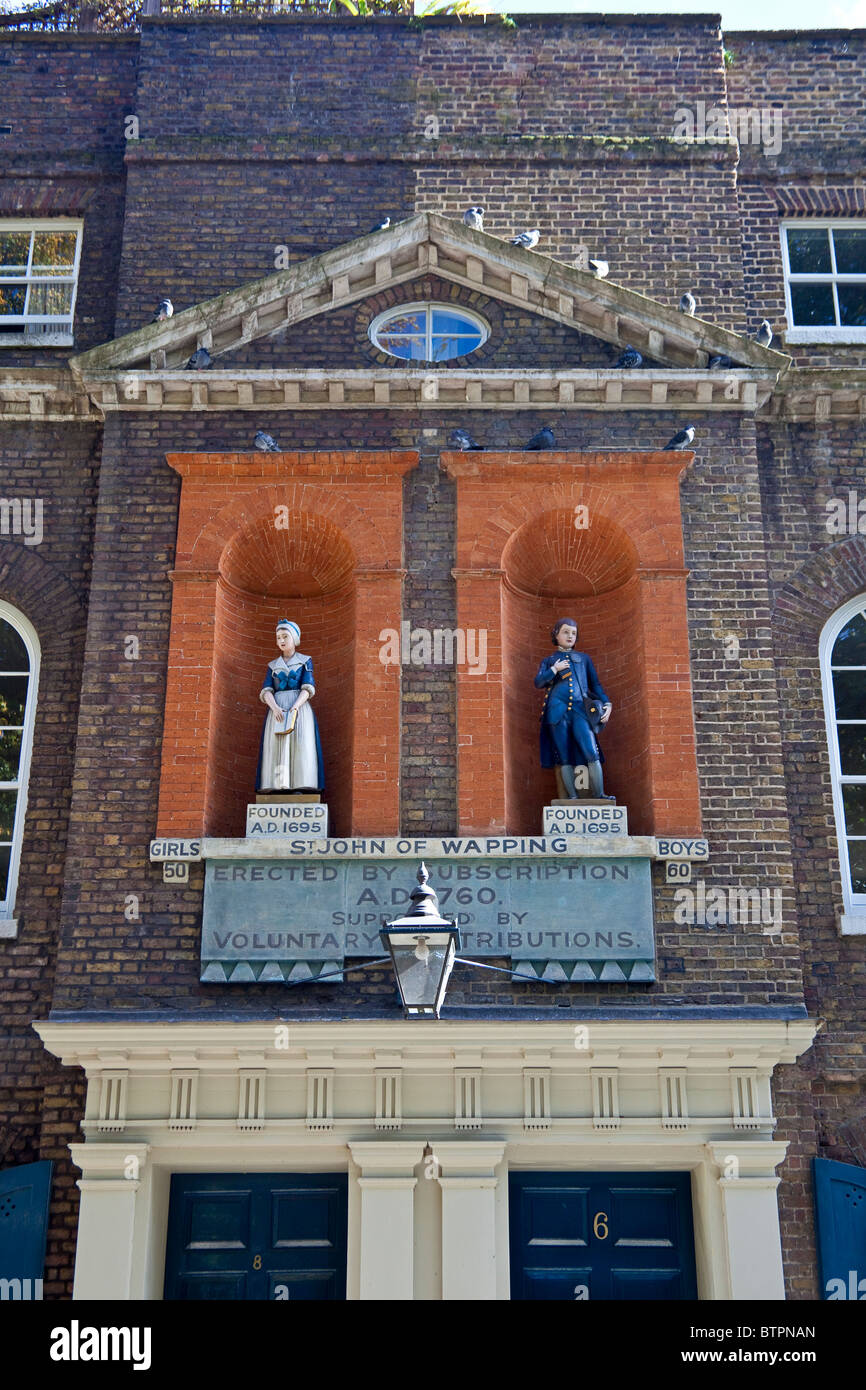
(385, 259)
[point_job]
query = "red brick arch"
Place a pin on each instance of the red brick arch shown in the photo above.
(316, 537)
(597, 537)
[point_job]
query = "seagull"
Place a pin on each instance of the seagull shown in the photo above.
(764, 335)
(462, 440)
(474, 217)
(598, 268)
(682, 439)
(543, 439)
(718, 364)
(688, 304)
(265, 443)
(382, 226)
(200, 360)
(164, 310)
(630, 358)
(528, 240)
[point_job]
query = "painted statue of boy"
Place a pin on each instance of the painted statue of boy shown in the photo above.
(567, 734)
(290, 757)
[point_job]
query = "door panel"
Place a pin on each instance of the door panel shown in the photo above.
(601, 1235)
(25, 1191)
(257, 1236)
(840, 1218)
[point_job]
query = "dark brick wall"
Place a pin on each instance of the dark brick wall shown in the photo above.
(39, 1101)
(66, 98)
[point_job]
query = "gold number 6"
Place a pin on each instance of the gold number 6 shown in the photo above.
(599, 1225)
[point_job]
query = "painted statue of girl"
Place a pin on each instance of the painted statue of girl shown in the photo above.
(567, 734)
(290, 758)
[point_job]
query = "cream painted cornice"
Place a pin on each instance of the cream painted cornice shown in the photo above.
(386, 388)
(640, 1046)
(43, 394)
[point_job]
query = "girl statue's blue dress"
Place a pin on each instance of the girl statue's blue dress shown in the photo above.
(290, 761)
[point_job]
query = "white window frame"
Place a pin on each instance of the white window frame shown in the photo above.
(853, 918)
(27, 633)
(43, 330)
(827, 333)
(428, 305)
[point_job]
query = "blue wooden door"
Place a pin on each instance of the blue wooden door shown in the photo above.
(276, 1236)
(24, 1196)
(590, 1236)
(840, 1219)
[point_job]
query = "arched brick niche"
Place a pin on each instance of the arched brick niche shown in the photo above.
(597, 537)
(304, 571)
(552, 570)
(314, 537)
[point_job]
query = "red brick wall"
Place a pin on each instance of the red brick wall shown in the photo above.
(338, 568)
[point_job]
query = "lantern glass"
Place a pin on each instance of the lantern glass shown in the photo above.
(423, 961)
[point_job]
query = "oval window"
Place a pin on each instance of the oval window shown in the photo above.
(428, 332)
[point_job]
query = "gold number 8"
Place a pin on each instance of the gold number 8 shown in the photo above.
(257, 1262)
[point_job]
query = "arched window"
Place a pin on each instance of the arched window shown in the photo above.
(428, 332)
(19, 676)
(843, 672)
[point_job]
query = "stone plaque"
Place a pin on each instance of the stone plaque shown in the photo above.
(305, 818)
(590, 918)
(594, 819)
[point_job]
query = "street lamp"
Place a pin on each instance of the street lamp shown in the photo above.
(423, 947)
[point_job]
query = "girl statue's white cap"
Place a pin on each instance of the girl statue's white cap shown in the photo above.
(291, 627)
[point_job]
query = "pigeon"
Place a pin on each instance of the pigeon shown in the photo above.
(721, 363)
(688, 304)
(474, 217)
(630, 358)
(682, 439)
(164, 310)
(528, 240)
(265, 443)
(764, 335)
(382, 226)
(543, 439)
(462, 440)
(598, 268)
(200, 360)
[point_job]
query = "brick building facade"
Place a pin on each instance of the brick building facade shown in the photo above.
(260, 154)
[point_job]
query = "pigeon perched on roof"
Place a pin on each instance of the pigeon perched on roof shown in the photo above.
(688, 304)
(682, 439)
(462, 440)
(598, 268)
(629, 358)
(764, 335)
(265, 443)
(164, 310)
(382, 226)
(720, 363)
(542, 439)
(528, 240)
(200, 361)
(474, 217)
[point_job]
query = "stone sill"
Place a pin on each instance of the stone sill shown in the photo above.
(843, 337)
(8, 928)
(853, 923)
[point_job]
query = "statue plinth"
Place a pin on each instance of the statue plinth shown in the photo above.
(274, 798)
(585, 817)
(285, 814)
